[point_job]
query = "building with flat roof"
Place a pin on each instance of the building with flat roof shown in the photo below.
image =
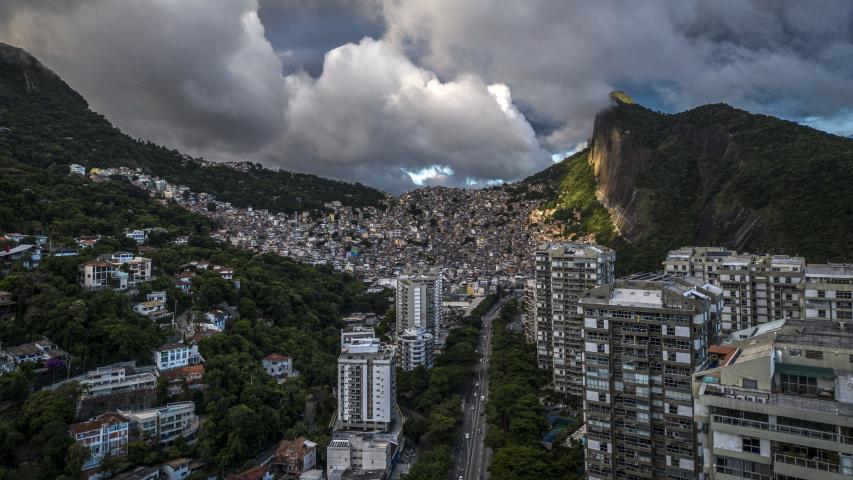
(827, 292)
(367, 389)
(777, 403)
(757, 288)
(165, 424)
(642, 338)
(564, 271)
(418, 300)
(416, 349)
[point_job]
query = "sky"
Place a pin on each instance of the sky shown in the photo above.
(397, 94)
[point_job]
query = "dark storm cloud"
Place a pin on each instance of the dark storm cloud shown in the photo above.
(390, 93)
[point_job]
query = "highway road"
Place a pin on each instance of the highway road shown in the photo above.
(471, 456)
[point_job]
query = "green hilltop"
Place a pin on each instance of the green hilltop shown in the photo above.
(50, 124)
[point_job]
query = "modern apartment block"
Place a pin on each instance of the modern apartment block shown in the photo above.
(775, 402)
(367, 389)
(416, 349)
(419, 296)
(642, 339)
(165, 424)
(827, 292)
(757, 288)
(563, 272)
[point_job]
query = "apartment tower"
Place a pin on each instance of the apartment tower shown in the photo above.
(563, 272)
(367, 388)
(643, 337)
(756, 288)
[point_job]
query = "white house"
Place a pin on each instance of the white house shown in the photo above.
(176, 355)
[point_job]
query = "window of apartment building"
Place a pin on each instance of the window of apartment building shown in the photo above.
(798, 384)
(750, 383)
(814, 354)
(844, 315)
(751, 445)
(672, 408)
(670, 330)
(821, 313)
(821, 294)
(844, 294)
(795, 352)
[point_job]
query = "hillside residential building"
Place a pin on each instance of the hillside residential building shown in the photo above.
(353, 334)
(294, 457)
(367, 389)
(279, 367)
(776, 402)
(642, 339)
(165, 424)
(757, 288)
(113, 380)
(563, 272)
(176, 355)
(153, 309)
(416, 349)
(827, 292)
(43, 353)
(27, 255)
(418, 300)
(119, 271)
(106, 435)
(138, 236)
(77, 169)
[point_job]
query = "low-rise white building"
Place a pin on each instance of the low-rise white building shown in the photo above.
(279, 367)
(175, 355)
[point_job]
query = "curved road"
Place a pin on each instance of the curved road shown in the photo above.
(471, 456)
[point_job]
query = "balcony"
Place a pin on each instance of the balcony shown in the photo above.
(819, 465)
(741, 473)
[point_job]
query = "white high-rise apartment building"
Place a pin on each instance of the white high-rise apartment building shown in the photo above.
(367, 388)
(563, 272)
(419, 295)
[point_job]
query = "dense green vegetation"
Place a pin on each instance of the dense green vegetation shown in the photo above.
(52, 202)
(516, 419)
(51, 125)
(705, 174)
(284, 307)
(433, 398)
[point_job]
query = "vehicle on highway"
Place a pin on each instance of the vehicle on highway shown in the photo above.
(467, 436)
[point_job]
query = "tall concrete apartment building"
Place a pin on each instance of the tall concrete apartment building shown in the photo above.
(367, 389)
(642, 339)
(418, 316)
(528, 315)
(827, 292)
(757, 288)
(563, 272)
(775, 402)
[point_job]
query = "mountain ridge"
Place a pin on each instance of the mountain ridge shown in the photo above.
(50, 123)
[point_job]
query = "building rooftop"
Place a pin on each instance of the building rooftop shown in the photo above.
(830, 270)
(817, 334)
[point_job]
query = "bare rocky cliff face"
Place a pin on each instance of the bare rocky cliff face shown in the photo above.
(617, 160)
(629, 149)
